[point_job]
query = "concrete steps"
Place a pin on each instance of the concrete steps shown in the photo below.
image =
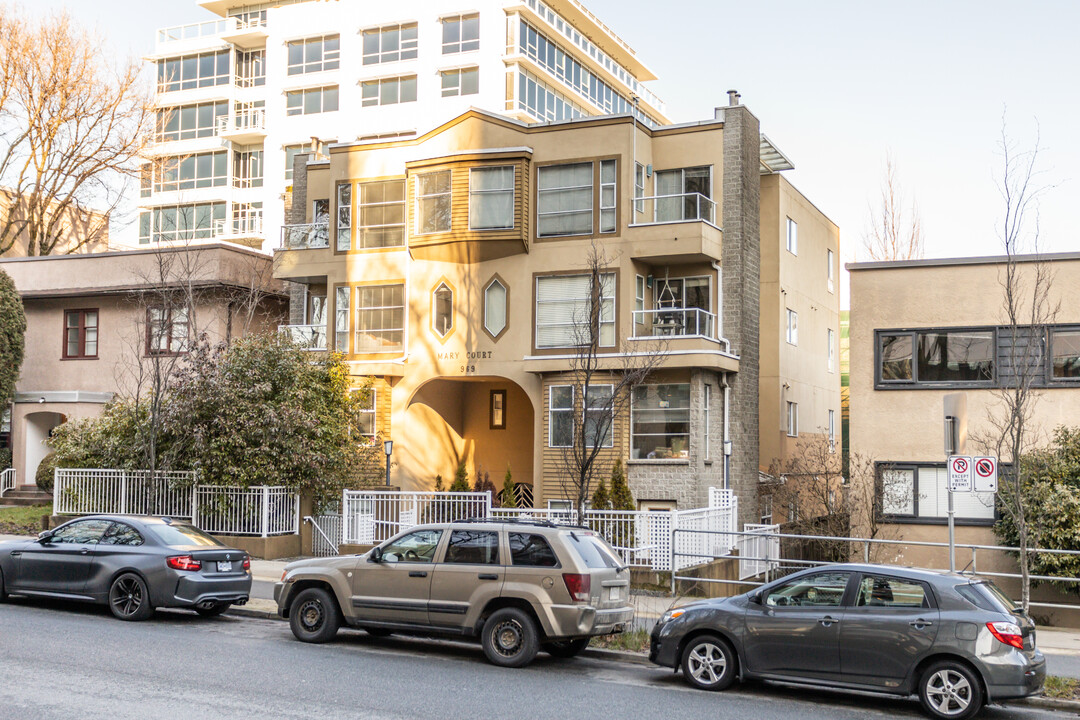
(26, 496)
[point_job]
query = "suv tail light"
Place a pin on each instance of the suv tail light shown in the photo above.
(183, 562)
(1008, 633)
(578, 585)
(247, 562)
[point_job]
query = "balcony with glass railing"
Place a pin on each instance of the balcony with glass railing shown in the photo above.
(246, 223)
(244, 33)
(674, 322)
(305, 236)
(246, 126)
(681, 207)
(310, 337)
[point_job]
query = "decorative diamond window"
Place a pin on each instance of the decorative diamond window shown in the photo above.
(442, 314)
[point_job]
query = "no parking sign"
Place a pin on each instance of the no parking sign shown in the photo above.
(986, 474)
(960, 473)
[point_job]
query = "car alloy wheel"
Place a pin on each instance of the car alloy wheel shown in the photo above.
(128, 598)
(313, 616)
(950, 690)
(708, 663)
(509, 638)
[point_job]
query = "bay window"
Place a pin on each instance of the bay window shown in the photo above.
(380, 319)
(491, 198)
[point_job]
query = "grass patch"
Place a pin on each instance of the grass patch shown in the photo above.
(1061, 688)
(633, 641)
(23, 520)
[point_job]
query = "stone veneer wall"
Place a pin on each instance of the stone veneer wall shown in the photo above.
(295, 214)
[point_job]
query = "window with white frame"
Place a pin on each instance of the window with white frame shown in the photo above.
(560, 416)
(311, 101)
(684, 194)
(564, 305)
(496, 298)
(564, 200)
(607, 196)
(792, 237)
(382, 214)
(341, 319)
(597, 415)
(831, 270)
(390, 43)
(832, 350)
(314, 54)
(344, 216)
(491, 198)
(660, 422)
(792, 327)
(792, 419)
(191, 172)
(639, 187)
(921, 491)
(365, 418)
(766, 509)
(460, 33)
(198, 221)
(433, 202)
(388, 91)
(639, 299)
(194, 71)
(188, 122)
(832, 431)
(464, 81)
(380, 319)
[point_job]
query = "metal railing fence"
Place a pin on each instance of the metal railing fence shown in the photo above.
(325, 534)
(263, 511)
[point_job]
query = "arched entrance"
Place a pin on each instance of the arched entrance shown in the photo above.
(38, 427)
(485, 422)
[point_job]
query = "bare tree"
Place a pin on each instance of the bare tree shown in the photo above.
(601, 382)
(71, 127)
(1027, 309)
(895, 228)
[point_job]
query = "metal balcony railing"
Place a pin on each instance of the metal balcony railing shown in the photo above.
(674, 322)
(306, 235)
(247, 224)
(247, 119)
(312, 337)
(682, 207)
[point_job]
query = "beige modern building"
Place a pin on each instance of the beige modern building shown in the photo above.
(454, 272)
(79, 231)
(95, 322)
(924, 328)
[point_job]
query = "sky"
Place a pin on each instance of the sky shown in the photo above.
(838, 85)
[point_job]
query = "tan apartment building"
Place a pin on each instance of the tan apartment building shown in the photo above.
(455, 266)
(94, 321)
(79, 231)
(924, 328)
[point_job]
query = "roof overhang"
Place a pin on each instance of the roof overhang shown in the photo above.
(772, 160)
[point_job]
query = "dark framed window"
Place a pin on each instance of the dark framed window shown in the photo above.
(1064, 354)
(947, 356)
(497, 414)
(918, 492)
(80, 334)
(166, 330)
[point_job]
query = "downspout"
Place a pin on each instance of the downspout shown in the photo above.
(720, 297)
(727, 434)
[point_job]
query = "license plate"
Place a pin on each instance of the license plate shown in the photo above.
(224, 567)
(615, 593)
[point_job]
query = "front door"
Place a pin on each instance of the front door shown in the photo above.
(795, 630)
(61, 564)
(890, 626)
(396, 588)
(470, 575)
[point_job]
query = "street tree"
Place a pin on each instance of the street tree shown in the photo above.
(599, 382)
(72, 124)
(12, 337)
(894, 230)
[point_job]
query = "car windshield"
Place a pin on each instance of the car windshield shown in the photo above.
(183, 535)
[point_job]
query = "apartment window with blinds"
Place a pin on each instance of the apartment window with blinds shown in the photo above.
(388, 91)
(597, 416)
(491, 198)
(80, 334)
(390, 44)
(563, 304)
(684, 194)
(344, 216)
(460, 33)
(314, 54)
(382, 215)
(560, 416)
(380, 319)
(433, 202)
(565, 200)
(311, 101)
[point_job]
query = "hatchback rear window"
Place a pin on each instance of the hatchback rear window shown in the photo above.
(594, 552)
(987, 596)
(181, 535)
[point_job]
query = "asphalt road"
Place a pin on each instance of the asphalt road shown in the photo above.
(63, 660)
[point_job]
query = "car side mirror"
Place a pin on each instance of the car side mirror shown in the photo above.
(376, 555)
(756, 598)
(44, 536)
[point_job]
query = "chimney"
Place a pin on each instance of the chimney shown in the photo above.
(733, 97)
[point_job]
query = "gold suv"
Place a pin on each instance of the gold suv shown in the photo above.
(521, 587)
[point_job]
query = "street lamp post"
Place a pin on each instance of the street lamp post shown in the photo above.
(388, 446)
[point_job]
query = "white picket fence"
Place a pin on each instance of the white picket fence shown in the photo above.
(325, 534)
(758, 553)
(643, 538)
(262, 511)
(7, 480)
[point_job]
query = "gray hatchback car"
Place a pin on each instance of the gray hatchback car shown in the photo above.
(955, 640)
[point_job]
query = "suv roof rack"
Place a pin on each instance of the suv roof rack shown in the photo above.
(521, 521)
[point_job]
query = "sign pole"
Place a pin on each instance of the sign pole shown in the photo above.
(952, 534)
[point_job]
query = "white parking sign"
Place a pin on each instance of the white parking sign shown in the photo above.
(960, 473)
(986, 474)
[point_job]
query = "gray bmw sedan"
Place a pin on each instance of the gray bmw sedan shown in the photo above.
(134, 564)
(957, 641)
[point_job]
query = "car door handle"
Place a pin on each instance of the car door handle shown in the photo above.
(15, 553)
(84, 551)
(417, 573)
(488, 576)
(920, 624)
(828, 621)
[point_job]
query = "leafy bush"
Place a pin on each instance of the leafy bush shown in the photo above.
(461, 479)
(45, 473)
(5, 458)
(12, 337)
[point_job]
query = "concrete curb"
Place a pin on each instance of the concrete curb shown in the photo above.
(253, 612)
(1047, 703)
